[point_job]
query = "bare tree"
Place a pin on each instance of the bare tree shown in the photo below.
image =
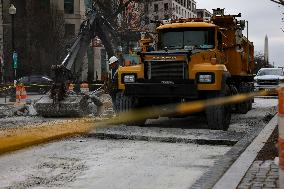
(45, 37)
(260, 62)
(125, 18)
(39, 38)
(280, 2)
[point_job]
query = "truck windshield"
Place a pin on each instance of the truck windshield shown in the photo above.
(180, 39)
(270, 72)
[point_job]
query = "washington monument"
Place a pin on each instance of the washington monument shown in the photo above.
(266, 55)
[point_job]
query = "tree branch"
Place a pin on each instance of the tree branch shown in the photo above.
(280, 2)
(121, 7)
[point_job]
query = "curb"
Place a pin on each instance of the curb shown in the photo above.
(267, 97)
(237, 171)
(216, 174)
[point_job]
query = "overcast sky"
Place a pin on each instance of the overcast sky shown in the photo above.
(264, 18)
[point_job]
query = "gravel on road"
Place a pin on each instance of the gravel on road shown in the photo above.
(88, 162)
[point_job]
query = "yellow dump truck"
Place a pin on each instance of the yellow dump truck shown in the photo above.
(194, 59)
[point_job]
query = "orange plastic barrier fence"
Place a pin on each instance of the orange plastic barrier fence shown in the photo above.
(281, 135)
(21, 93)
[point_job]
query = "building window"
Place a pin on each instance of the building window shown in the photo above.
(176, 9)
(69, 6)
(156, 8)
(69, 30)
(146, 8)
(166, 6)
(147, 20)
(189, 5)
(156, 17)
(44, 4)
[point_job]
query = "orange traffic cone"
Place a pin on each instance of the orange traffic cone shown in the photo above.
(18, 92)
(24, 93)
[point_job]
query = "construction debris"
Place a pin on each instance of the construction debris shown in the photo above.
(71, 106)
(6, 110)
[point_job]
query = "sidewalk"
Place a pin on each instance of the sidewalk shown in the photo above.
(249, 173)
(262, 174)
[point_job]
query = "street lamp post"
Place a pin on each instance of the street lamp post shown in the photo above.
(12, 12)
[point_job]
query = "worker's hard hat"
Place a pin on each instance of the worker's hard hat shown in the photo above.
(112, 59)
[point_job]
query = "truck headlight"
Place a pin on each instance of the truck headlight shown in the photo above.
(206, 78)
(129, 78)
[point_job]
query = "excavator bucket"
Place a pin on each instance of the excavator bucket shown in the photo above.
(71, 106)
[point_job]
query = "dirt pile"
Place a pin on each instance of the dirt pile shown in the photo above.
(270, 149)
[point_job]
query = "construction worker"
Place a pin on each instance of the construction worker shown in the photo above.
(113, 66)
(113, 78)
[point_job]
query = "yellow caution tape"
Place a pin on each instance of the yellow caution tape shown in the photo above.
(8, 87)
(19, 138)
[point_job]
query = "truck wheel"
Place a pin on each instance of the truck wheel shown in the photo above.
(127, 103)
(219, 117)
(245, 106)
(250, 104)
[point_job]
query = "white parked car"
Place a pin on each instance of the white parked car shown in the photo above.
(268, 78)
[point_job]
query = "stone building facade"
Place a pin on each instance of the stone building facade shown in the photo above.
(203, 13)
(74, 14)
(165, 9)
(169, 9)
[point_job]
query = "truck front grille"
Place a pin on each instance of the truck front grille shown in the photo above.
(268, 82)
(167, 70)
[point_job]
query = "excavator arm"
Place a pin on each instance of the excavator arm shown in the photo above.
(71, 67)
(60, 103)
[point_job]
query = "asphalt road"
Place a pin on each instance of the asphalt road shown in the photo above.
(166, 153)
